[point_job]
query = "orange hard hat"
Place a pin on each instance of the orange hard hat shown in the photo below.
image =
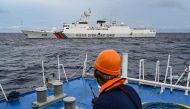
(108, 62)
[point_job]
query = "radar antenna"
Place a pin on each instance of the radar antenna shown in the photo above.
(85, 16)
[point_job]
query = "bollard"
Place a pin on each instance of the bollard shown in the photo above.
(69, 103)
(43, 101)
(50, 83)
(57, 85)
(41, 94)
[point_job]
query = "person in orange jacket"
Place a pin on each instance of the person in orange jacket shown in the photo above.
(113, 93)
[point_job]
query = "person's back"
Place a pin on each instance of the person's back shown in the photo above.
(113, 94)
(116, 98)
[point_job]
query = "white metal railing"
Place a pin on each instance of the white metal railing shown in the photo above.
(181, 76)
(188, 79)
(167, 68)
(59, 75)
(141, 69)
(157, 73)
(43, 74)
(156, 82)
(125, 66)
(171, 77)
(83, 67)
(5, 96)
(59, 69)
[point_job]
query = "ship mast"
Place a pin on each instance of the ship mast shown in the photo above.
(85, 16)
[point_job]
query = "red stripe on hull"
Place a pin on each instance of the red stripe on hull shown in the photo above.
(64, 36)
(56, 34)
(59, 35)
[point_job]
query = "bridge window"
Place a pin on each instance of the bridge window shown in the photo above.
(44, 34)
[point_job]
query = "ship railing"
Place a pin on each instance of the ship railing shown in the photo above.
(156, 82)
(59, 67)
(142, 28)
(2, 90)
(78, 70)
(82, 68)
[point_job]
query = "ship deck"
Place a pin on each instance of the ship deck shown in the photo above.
(79, 88)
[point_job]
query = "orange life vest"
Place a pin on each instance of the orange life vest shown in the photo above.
(111, 84)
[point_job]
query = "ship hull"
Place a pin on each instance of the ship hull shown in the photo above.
(61, 35)
(38, 34)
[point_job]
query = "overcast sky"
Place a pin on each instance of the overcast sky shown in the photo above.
(163, 15)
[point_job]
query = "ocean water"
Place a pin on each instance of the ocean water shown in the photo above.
(20, 58)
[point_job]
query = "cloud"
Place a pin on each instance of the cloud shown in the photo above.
(188, 26)
(10, 27)
(3, 11)
(168, 4)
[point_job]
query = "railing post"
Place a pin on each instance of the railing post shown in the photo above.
(125, 65)
(181, 76)
(157, 74)
(64, 72)
(168, 63)
(188, 79)
(59, 71)
(141, 69)
(3, 93)
(43, 74)
(58, 67)
(162, 89)
(171, 78)
(158, 70)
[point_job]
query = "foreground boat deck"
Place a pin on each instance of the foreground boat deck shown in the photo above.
(80, 88)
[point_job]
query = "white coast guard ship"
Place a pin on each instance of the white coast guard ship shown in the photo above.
(81, 29)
